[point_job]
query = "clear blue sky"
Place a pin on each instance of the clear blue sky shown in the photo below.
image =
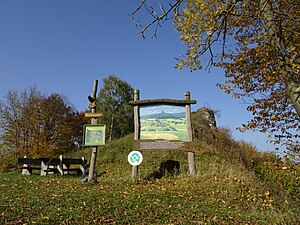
(62, 46)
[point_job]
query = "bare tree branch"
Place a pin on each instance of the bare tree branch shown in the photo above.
(156, 18)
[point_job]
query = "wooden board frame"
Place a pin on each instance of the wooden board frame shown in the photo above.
(156, 144)
(164, 102)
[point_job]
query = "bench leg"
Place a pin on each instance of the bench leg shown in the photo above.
(83, 170)
(51, 167)
(60, 169)
(26, 171)
(66, 167)
(43, 168)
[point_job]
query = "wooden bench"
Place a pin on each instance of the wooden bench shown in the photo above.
(65, 164)
(29, 164)
(52, 165)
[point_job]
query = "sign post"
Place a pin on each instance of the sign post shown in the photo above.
(191, 154)
(92, 106)
(136, 97)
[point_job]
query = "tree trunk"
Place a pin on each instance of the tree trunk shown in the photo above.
(294, 93)
(277, 42)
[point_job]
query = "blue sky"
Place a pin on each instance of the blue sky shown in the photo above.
(62, 46)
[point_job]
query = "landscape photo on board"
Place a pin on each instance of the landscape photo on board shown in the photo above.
(166, 122)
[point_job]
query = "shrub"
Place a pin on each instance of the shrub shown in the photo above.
(7, 162)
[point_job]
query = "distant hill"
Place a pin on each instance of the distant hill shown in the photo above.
(164, 115)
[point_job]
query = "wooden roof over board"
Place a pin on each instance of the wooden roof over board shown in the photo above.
(162, 101)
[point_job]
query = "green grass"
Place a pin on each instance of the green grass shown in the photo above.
(223, 191)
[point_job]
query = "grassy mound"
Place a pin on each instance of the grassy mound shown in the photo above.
(234, 184)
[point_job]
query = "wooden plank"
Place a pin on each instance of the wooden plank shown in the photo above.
(162, 145)
(136, 116)
(162, 101)
(51, 162)
(192, 167)
(136, 111)
(93, 115)
(94, 148)
(43, 169)
(73, 161)
(29, 161)
(191, 154)
(31, 167)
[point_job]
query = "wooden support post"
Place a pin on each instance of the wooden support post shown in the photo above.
(43, 168)
(24, 170)
(136, 110)
(191, 155)
(94, 149)
(191, 158)
(50, 169)
(61, 166)
(83, 166)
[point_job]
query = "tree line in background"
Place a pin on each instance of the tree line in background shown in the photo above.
(33, 124)
(37, 125)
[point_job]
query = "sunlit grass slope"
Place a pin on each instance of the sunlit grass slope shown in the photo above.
(233, 185)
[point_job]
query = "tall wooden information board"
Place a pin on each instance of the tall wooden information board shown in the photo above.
(163, 124)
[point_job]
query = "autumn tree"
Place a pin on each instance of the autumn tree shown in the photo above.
(112, 102)
(37, 125)
(61, 126)
(256, 42)
(16, 117)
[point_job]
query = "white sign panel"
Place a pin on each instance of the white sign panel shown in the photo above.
(135, 158)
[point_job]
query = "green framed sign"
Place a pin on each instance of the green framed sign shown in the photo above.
(94, 135)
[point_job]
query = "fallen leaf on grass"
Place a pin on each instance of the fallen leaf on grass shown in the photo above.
(44, 218)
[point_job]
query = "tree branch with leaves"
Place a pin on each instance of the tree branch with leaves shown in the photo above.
(255, 42)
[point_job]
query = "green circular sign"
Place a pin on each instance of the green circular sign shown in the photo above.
(135, 158)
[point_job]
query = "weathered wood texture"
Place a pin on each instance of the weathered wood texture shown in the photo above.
(136, 128)
(162, 101)
(65, 164)
(52, 165)
(187, 103)
(93, 115)
(162, 145)
(191, 154)
(94, 149)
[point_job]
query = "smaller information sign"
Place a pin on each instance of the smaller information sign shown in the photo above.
(162, 145)
(94, 135)
(135, 158)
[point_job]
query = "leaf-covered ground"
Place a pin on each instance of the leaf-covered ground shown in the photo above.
(180, 200)
(222, 192)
